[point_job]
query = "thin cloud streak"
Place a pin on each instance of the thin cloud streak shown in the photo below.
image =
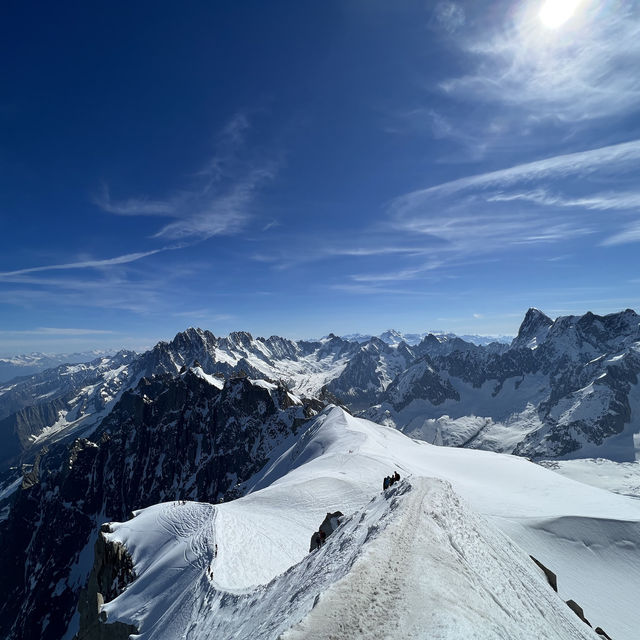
(466, 216)
(134, 206)
(598, 201)
(394, 276)
(628, 235)
(86, 264)
(580, 163)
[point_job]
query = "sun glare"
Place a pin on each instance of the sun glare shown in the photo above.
(554, 13)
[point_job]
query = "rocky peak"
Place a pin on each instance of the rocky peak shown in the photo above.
(243, 338)
(192, 338)
(533, 329)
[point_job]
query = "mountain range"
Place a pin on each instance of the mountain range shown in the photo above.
(266, 427)
(30, 363)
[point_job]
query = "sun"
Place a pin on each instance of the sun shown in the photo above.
(554, 13)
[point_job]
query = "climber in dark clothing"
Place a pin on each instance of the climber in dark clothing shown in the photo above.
(396, 476)
(385, 483)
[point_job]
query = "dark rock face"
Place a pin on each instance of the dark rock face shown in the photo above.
(423, 381)
(577, 609)
(369, 372)
(535, 326)
(330, 523)
(551, 577)
(112, 572)
(171, 438)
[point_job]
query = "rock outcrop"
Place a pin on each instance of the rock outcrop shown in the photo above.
(111, 573)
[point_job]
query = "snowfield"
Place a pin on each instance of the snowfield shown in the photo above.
(427, 559)
(619, 477)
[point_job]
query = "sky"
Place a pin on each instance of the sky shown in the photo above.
(300, 168)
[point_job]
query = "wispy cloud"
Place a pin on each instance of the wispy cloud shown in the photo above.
(629, 234)
(204, 314)
(394, 276)
(584, 163)
(373, 290)
(85, 264)
(449, 16)
(426, 120)
(135, 206)
(476, 213)
(576, 73)
(214, 214)
(220, 197)
(623, 201)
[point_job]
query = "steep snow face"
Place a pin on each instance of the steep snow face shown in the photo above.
(443, 549)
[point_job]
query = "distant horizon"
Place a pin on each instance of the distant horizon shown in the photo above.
(150, 345)
(128, 342)
(301, 168)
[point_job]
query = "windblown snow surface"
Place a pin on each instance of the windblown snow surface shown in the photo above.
(428, 558)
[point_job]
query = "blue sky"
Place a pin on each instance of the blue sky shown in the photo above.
(296, 168)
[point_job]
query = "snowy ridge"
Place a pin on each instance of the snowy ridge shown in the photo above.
(416, 543)
(429, 567)
(263, 566)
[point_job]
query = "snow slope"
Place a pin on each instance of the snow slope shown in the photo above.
(589, 537)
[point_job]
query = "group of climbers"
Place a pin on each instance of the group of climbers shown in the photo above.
(389, 480)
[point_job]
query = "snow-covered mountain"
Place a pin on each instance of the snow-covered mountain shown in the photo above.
(205, 418)
(70, 400)
(394, 338)
(443, 553)
(187, 436)
(563, 388)
(28, 364)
